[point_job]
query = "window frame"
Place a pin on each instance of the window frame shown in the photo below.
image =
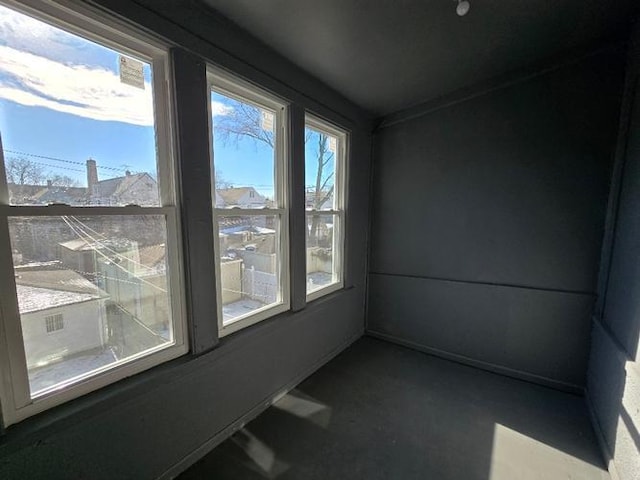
(339, 209)
(91, 24)
(232, 86)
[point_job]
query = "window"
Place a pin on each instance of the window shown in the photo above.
(54, 323)
(88, 217)
(250, 211)
(325, 149)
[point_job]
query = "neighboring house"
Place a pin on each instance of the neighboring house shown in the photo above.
(57, 194)
(325, 199)
(241, 235)
(133, 188)
(219, 201)
(78, 255)
(23, 194)
(82, 255)
(62, 313)
(46, 194)
(241, 197)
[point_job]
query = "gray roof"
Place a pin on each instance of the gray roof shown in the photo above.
(43, 194)
(117, 186)
(232, 195)
(35, 299)
(42, 287)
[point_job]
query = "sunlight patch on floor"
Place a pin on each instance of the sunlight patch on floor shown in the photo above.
(262, 457)
(303, 406)
(518, 456)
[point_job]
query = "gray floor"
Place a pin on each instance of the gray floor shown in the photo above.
(380, 411)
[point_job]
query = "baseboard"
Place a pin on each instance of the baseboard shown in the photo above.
(607, 457)
(490, 367)
(218, 438)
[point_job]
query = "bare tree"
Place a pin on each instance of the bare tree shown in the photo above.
(321, 193)
(242, 121)
(246, 121)
(221, 182)
(63, 181)
(22, 171)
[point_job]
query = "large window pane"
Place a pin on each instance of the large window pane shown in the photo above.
(324, 194)
(321, 261)
(249, 264)
(243, 153)
(320, 156)
(92, 292)
(76, 118)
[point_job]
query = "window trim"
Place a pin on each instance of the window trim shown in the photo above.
(339, 210)
(94, 25)
(228, 84)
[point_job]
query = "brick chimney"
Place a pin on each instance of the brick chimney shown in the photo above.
(92, 174)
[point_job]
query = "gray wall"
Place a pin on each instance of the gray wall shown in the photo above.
(149, 425)
(614, 367)
(488, 221)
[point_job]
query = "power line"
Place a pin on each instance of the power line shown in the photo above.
(26, 154)
(117, 265)
(58, 167)
(84, 227)
(48, 165)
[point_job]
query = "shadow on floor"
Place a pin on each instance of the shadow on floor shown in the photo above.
(380, 411)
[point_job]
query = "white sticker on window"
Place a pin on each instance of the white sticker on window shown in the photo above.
(131, 72)
(333, 144)
(267, 120)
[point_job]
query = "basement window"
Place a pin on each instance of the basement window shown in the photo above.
(325, 150)
(88, 218)
(250, 208)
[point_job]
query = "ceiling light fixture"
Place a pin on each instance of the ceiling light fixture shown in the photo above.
(463, 8)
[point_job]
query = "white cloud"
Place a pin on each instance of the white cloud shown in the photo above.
(20, 24)
(90, 92)
(43, 66)
(219, 109)
(25, 33)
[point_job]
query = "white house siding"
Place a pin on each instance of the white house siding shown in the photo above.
(247, 201)
(83, 330)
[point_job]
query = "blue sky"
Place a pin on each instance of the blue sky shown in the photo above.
(61, 97)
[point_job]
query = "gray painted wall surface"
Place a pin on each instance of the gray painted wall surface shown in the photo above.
(506, 189)
(145, 426)
(614, 366)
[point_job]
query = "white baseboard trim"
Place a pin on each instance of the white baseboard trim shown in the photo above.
(190, 459)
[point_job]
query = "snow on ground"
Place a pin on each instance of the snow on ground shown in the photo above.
(241, 307)
(234, 310)
(316, 280)
(45, 377)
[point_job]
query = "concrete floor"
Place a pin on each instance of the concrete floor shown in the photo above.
(380, 411)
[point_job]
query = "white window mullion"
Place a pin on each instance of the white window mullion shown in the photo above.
(14, 366)
(248, 212)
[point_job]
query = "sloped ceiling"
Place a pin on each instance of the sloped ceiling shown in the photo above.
(387, 55)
